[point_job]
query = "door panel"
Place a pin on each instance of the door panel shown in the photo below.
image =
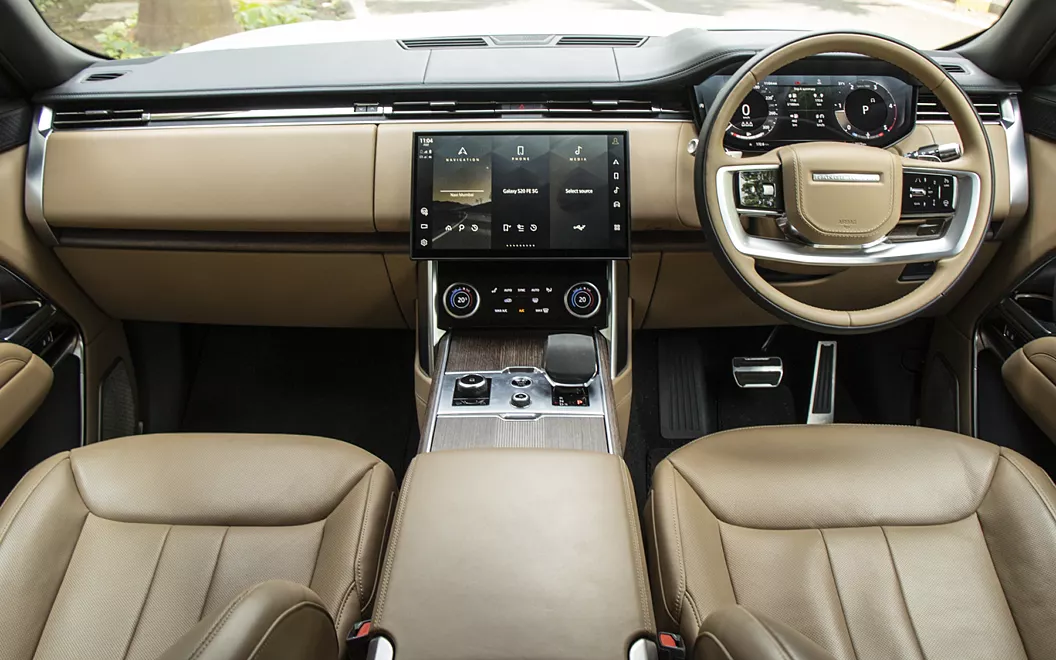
(24, 382)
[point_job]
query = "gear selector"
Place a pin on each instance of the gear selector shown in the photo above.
(570, 360)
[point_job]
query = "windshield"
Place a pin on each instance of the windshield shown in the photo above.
(141, 28)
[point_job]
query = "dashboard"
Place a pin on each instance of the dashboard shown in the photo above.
(877, 110)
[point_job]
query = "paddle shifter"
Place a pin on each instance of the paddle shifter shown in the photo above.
(571, 363)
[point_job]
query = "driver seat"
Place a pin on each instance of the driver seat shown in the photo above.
(853, 543)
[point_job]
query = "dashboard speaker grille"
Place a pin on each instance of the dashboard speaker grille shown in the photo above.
(445, 42)
(118, 404)
(929, 108)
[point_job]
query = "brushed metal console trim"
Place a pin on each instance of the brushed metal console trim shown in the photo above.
(34, 191)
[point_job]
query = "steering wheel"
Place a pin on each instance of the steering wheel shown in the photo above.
(842, 201)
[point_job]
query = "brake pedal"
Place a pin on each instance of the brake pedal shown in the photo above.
(757, 372)
(823, 388)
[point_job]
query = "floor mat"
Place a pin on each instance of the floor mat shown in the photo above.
(352, 385)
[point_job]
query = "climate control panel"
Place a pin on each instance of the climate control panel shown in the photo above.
(521, 294)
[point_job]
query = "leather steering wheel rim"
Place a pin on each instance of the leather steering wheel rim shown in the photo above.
(973, 168)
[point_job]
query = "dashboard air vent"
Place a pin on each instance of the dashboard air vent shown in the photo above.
(953, 68)
(601, 41)
(987, 105)
(445, 42)
(104, 75)
(559, 109)
(99, 118)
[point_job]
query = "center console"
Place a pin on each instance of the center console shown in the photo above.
(524, 240)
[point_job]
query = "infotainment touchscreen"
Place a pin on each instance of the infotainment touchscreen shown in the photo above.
(532, 195)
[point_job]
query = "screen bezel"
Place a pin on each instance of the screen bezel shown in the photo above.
(429, 254)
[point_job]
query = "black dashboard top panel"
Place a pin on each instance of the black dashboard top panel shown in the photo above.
(682, 58)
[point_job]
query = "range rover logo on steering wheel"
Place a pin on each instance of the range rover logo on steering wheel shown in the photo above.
(846, 177)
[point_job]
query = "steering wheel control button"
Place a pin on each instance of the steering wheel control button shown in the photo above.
(521, 381)
(583, 300)
(759, 191)
(520, 400)
(928, 194)
(472, 390)
(461, 300)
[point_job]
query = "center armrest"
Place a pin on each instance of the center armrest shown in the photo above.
(511, 553)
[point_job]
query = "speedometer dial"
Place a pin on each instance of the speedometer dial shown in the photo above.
(868, 111)
(756, 115)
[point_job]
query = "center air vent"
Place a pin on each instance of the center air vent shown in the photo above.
(445, 42)
(987, 105)
(601, 41)
(99, 118)
(562, 109)
(104, 75)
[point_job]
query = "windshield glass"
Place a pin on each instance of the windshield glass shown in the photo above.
(141, 28)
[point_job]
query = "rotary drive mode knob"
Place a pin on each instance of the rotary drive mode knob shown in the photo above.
(583, 300)
(461, 300)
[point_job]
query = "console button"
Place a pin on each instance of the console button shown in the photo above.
(461, 300)
(583, 300)
(520, 399)
(521, 381)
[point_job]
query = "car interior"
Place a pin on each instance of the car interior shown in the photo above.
(725, 344)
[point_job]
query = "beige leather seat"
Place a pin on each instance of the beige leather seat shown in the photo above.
(181, 546)
(871, 542)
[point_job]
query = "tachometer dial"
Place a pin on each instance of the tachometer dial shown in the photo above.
(756, 116)
(868, 111)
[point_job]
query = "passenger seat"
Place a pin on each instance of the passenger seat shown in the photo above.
(181, 546)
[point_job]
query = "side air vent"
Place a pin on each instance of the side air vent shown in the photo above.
(99, 118)
(601, 41)
(953, 68)
(445, 42)
(560, 109)
(987, 105)
(104, 75)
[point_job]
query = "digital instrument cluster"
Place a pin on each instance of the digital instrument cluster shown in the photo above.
(784, 109)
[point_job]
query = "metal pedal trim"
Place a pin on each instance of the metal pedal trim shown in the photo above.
(823, 385)
(757, 372)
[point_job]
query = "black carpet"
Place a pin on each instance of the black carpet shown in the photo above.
(352, 385)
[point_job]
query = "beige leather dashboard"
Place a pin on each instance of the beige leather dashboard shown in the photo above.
(356, 179)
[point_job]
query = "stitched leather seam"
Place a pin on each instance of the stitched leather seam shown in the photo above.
(146, 596)
(365, 605)
(1004, 594)
(659, 563)
(267, 637)
(14, 375)
(363, 531)
(680, 590)
(1033, 484)
(212, 576)
(770, 633)
(693, 610)
(18, 509)
(390, 558)
(725, 561)
(839, 599)
(902, 593)
(214, 630)
(639, 552)
(718, 644)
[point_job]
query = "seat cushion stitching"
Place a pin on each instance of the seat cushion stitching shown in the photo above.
(212, 576)
(363, 532)
(681, 588)
(659, 563)
(839, 599)
(632, 518)
(146, 596)
(1033, 484)
(1004, 594)
(18, 509)
(268, 635)
(902, 592)
(719, 645)
(725, 559)
(219, 623)
(390, 557)
(770, 633)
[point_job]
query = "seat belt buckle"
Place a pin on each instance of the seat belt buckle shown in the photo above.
(358, 640)
(671, 646)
